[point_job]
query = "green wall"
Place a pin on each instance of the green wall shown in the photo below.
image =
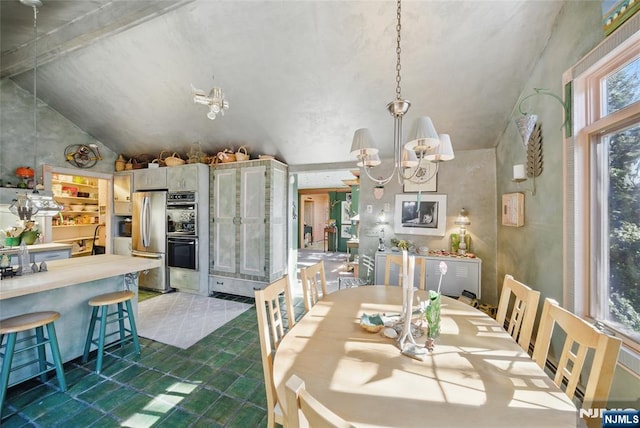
(533, 254)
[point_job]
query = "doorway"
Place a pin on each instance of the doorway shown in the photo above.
(85, 222)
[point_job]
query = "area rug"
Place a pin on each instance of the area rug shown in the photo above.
(182, 319)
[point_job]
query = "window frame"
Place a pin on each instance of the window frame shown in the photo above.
(581, 282)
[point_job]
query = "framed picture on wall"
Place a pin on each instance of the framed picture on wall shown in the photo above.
(345, 231)
(427, 216)
(425, 177)
(345, 216)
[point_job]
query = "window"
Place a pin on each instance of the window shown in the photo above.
(604, 191)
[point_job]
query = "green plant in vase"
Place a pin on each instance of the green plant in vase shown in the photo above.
(432, 311)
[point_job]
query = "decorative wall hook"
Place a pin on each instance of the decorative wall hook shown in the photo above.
(527, 121)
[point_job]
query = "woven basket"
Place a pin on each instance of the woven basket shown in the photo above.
(174, 160)
(241, 154)
(227, 156)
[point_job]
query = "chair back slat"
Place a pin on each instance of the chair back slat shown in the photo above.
(271, 331)
(523, 313)
(301, 404)
(314, 284)
(581, 337)
(394, 259)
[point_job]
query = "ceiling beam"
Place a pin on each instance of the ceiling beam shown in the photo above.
(112, 18)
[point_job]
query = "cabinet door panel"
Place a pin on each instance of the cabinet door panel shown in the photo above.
(252, 219)
(224, 218)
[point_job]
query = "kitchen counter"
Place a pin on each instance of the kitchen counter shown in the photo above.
(62, 273)
(37, 248)
(67, 287)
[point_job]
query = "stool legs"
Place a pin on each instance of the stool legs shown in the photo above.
(103, 331)
(55, 353)
(132, 326)
(6, 365)
(92, 326)
(41, 342)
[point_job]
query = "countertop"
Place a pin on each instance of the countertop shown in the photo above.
(62, 273)
(37, 248)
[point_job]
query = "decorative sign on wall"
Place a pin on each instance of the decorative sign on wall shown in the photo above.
(513, 209)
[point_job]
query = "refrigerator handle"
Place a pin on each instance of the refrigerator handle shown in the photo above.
(144, 221)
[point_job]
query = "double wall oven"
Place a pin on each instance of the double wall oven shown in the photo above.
(182, 230)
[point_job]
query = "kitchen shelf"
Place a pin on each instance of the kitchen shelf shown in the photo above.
(72, 183)
(77, 238)
(81, 253)
(62, 226)
(76, 199)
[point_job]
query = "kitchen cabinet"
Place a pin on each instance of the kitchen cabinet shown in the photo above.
(248, 226)
(122, 246)
(78, 221)
(39, 253)
(462, 273)
(122, 186)
(150, 178)
(185, 178)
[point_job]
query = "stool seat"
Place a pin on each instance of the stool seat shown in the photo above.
(112, 298)
(27, 321)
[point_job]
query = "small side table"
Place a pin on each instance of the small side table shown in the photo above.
(328, 231)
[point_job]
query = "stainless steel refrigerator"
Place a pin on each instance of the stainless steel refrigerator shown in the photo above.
(149, 236)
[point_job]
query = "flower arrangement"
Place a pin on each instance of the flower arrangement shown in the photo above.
(27, 231)
(402, 244)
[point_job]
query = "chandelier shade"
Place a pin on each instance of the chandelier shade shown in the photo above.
(443, 152)
(363, 143)
(423, 136)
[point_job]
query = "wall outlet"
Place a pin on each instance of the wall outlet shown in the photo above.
(387, 207)
(369, 209)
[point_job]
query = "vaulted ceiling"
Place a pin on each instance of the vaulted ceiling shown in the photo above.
(300, 76)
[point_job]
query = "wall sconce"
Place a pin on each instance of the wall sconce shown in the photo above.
(382, 218)
(463, 221)
(519, 175)
(527, 122)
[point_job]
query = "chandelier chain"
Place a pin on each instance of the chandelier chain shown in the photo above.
(398, 51)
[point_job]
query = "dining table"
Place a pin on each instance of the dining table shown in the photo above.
(475, 376)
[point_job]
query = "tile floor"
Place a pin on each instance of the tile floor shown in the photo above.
(218, 382)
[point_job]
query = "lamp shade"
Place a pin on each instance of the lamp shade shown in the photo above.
(463, 218)
(442, 153)
(423, 136)
(363, 143)
(370, 160)
(409, 159)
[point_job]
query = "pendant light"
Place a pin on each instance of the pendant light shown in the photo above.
(29, 204)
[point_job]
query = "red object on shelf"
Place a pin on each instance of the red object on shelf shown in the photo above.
(24, 172)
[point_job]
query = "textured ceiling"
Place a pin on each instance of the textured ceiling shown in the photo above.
(300, 76)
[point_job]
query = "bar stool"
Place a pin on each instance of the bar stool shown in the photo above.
(103, 302)
(10, 327)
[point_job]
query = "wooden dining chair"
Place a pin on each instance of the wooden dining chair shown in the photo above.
(393, 259)
(523, 314)
(580, 338)
(314, 282)
(316, 414)
(269, 302)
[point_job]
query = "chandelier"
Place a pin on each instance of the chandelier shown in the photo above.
(29, 204)
(425, 145)
(214, 100)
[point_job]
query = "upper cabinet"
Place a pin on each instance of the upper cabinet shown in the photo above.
(150, 178)
(186, 178)
(122, 186)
